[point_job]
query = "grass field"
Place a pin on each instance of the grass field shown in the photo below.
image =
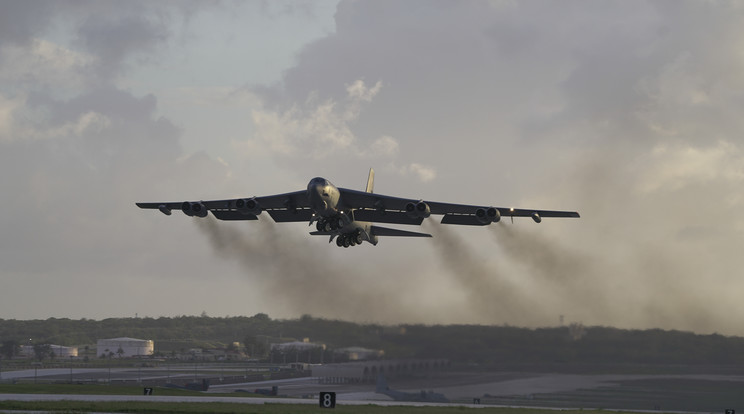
(76, 389)
(227, 408)
(217, 407)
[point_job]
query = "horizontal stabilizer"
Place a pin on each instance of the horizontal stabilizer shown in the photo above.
(384, 231)
(520, 212)
(233, 215)
(462, 219)
(392, 217)
(289, 216)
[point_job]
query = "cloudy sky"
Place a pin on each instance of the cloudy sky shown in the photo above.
(629, 112)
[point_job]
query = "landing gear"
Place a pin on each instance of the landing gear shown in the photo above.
(326, 225)
(350, 239)
(330, 223)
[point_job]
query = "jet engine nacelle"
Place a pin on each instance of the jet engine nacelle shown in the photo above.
(248, 206)
(418, 210)
(488, 215)
(194, 209)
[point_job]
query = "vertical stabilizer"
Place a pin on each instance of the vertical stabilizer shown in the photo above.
(371, 181)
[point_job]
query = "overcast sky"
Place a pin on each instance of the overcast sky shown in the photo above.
(628, 111)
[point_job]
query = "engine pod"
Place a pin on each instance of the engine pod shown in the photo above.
(248, 206)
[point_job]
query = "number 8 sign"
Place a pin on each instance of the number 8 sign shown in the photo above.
(327, 400)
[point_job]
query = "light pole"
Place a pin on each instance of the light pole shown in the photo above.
(108, 362)
(70, 369)
(193, 355)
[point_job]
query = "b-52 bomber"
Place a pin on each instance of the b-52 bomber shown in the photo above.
(347, 215)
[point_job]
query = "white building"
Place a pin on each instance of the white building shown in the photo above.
(125, 347)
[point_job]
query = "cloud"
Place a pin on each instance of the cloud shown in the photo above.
(320, 128)
(40, 62)
(627, 112)
(425, 174)
(113, 38)
(672, 167)
(385, 146)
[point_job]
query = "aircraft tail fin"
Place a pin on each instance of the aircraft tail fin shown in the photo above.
(371, 181)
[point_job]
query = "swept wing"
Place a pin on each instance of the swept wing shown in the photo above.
(387, 209)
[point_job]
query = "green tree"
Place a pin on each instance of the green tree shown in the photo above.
(42, 351)
(256, 345)
(10, 348)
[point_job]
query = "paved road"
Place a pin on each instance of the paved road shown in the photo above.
(200, 399)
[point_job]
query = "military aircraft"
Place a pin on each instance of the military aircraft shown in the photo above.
(347, 215)
(422, 396)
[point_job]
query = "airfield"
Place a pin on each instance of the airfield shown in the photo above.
(678, 392)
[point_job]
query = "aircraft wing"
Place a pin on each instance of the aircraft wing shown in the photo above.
(285, 207)
(379, 231)
(462, 214)
(384, 231)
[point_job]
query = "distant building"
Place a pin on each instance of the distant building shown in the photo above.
(58, 350)
(355, 353)
(125, 347)
(300, 351)
(295, 346)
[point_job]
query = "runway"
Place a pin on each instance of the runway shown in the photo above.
(665, 392)
(205, 399)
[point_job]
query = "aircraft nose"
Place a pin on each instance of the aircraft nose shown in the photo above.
(322, 189)
(318, 187)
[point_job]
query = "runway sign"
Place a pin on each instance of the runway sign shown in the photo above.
(730, 411)
(148, 391)
(327, 400)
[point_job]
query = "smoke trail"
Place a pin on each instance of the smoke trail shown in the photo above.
(302, 278)
(563, 277)
(646, 289)
(492, 296)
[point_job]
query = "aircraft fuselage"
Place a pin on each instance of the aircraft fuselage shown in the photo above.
(324, 200)
(323, 196)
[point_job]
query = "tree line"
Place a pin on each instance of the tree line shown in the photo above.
(467, 344)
